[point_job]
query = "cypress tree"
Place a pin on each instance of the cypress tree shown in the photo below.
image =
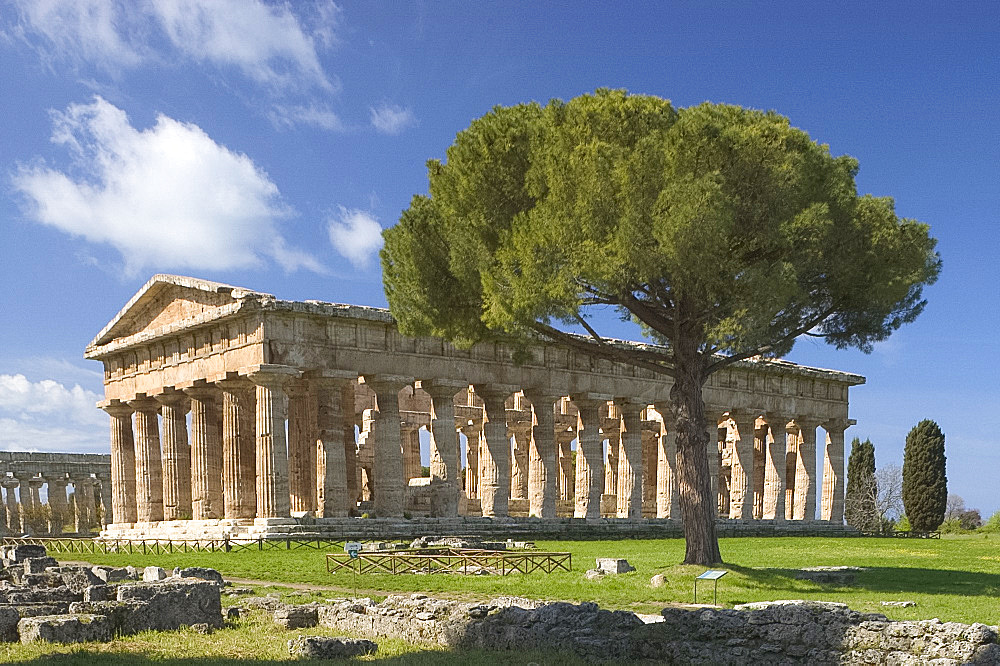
(859, 506)
(925, 485)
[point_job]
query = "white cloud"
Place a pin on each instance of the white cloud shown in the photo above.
(48, 401)
(319, 116)
(356, 235)
(165, 197)
(392, 119)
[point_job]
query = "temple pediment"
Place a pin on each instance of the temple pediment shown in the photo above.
(169, 300)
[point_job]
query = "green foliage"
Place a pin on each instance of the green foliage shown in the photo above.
(925, 483)
(859, 503)
(903, 524)
(992, 524)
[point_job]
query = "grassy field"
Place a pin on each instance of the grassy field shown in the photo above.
(955, 578)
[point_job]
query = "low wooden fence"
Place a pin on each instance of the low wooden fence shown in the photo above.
(449, 561)
(166, 546)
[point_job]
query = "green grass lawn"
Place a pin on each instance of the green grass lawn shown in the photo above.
(956, 578)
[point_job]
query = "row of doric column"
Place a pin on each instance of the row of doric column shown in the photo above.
(282, 442)
(23, 511)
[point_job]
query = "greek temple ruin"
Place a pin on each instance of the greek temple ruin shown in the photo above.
(236, 413)
(28, 478)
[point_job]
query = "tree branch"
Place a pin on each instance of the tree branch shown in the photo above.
(637, 357)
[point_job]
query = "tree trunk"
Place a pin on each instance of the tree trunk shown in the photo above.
(698, 506)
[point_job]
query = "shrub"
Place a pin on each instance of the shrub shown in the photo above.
(993, 524)
(970, 520)
(925, 484)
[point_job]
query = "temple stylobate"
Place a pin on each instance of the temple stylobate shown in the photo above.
(236, 413)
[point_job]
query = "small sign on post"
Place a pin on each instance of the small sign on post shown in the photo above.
(352, 548)
(711, 574)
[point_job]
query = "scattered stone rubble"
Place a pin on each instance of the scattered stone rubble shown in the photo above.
(323, 647)
(43, 601)
(608, 566)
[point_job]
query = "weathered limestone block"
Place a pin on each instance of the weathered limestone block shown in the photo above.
(99, 593)
(126, 617)
(297, 617)
(45, 595)
(613, 565)
(324, 647)
(112, 574)
(65, 628)
(36, 609)
(20, 552)
(37, 565)
(153, 574)
(9, 617)
(80, 580)
(204, 573)
(177, 604)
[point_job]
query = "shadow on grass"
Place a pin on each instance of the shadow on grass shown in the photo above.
(887, 579)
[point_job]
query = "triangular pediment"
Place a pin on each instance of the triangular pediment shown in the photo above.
(167, 300)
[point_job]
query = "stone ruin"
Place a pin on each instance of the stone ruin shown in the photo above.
(43, 601)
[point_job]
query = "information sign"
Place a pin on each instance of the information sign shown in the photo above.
(352, 548)
(711, 574)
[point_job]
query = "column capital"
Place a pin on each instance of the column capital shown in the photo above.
(387, 383)
(542, 395)
(54, 478)
(838, 425)
(9, 482)
(271, 375)
(117, 409)
(330, 379)
(144, 404)
(202, 393)
(743, 413)
(175, 399)
(716, 411)
(806, 422)
(590, 398)
(441, 388)
(493, 390)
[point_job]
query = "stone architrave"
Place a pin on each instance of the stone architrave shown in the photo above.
(331, 462)
(630, 463)
(445, 457)
(123, 491)
(176, 457)
(239, 468)
(206, 454)
(543, 475)
(494, 490)
(388, 460)
(741, 490)
(805, 471)
(833, 472)
(774, 470)
(10, 484)
(58, 504)
(301, 446)
(272, 445)
(148, 467)
(589, 457)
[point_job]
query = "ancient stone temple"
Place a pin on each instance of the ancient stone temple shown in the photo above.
(236, 413)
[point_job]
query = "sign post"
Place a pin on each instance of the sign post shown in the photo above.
(711, 574)
(353, 548)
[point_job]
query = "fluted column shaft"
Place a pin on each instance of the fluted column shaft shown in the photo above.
(774, 470)
(410, 448)
(103, 487)
(712, 416)
(611, 463)
(666, 452)
(630, 463)
(759, 461)
(805, 471)
(472, 433)
(38, 522)
(83, 494)
(206, 454)
(741, 490)
(58, 504)
(239, 467)
(331, 459)
(445, 457)
(272, 445)
(590, 460)
(148, 465)
(543, 476)
(301, 445)
(176, 457)
(519, 461)
(13, 506)
(833, 472)
(494, 491)
(123, 500)
(567, 469)
(389, 492)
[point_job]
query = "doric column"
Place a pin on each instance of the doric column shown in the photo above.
(206, 453)
(57, 502)
(519, 460)
(774, 470)
(494, 491)
(13, 507)
(833, 471)
(148, 468)
(445, 458)
(301, 445)
(239, 467)
(39, 524)
(759, 459)
(614, 437)
(331, 458)
(650, 465)
(409, 434)
(176, 457)
(741, 490)
(805, 470)
(666, 457)
(83, 495)
(272, 445)
(123, 498)
(103, 486)
(389, 494)
(713, 414)
(543, 477)
(472, 432)
(630, 464)
(589, 457)
(350, 444)
(24, 496)
(567, 469)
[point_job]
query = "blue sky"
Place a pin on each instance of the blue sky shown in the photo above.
(266, 145)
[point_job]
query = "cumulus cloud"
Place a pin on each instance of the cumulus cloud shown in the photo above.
(165, 197)
(392, 119)
(48, 416)
(356, 235)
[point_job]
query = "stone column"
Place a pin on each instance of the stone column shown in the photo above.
(472, 432)
(24, 496)
(543, 477)
(57, 503)
(630, 463)
(176, 457)
(520, 456)
(331, 458)
(650, 469)
(389, 494)
(239, 467)
(409, 434)
(741, 490)
(350, 444)
(833, 471)
(272, 445)
(103, 486)
(614, 438)
(805, 470)
(774, 470)
(206, 454)
(83, 494)
(40, 524)
(666, 458)
(123, 498)
(445, 457)
(301, 446)
(759, 459)
(713, 414)
(590, 458)
(13, 508)
(494, 492)
(148, 468)
(567, 468)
